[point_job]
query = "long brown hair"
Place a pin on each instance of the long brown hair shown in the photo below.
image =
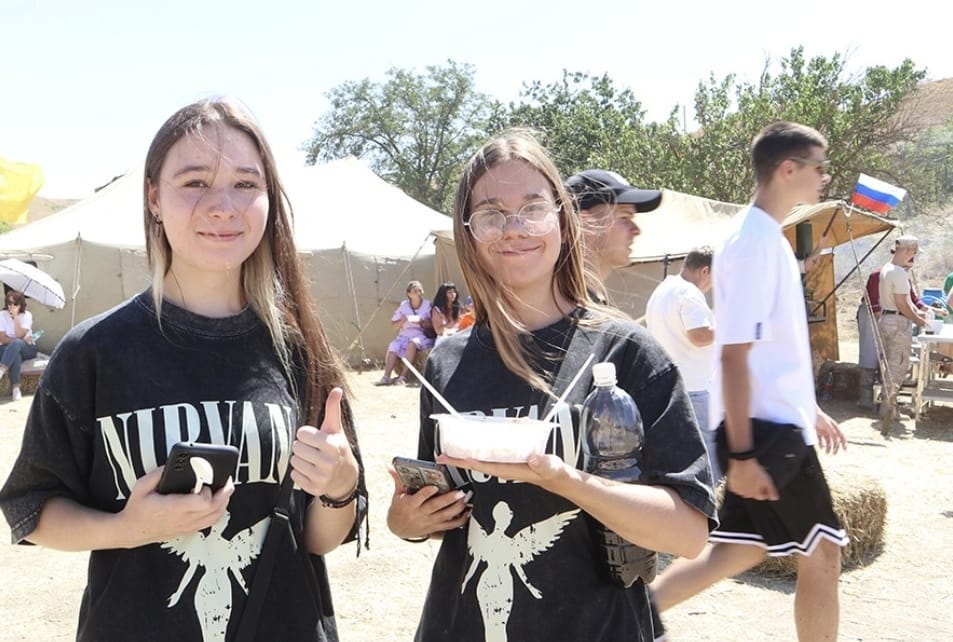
(273, 279)
(492, 300)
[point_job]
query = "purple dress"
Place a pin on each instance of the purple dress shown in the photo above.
(410, 332)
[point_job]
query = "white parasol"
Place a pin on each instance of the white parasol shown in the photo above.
(32, 282)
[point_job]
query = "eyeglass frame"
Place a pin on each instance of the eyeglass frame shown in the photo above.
(822, 166)
(552, 215)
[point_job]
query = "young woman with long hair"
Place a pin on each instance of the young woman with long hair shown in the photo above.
(224, 348)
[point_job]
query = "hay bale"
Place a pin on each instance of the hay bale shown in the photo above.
(28, 385)
(861, 505)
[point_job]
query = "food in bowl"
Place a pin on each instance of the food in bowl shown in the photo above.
(496, 439)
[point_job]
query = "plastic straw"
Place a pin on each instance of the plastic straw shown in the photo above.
(572, 384)
(433, 391)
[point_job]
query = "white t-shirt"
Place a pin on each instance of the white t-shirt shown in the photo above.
(759, 300)
(675, 307)
(6, 322)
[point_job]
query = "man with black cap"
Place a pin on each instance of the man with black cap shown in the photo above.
(607, 205)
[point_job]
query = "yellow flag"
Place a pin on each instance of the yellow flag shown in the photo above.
(19, 183)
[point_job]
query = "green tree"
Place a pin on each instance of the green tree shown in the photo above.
(857, 114)
(927, 163)
(587, 122)
(416, 130)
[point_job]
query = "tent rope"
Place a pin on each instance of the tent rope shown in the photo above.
(349, 275)
(410, 263)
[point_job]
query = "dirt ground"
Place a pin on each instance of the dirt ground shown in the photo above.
(904, 593)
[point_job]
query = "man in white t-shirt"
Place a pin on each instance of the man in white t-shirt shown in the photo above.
(678, 315)
(765, 373)
(897, 317)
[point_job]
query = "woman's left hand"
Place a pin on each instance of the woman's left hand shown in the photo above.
(541, 470)
(321, 461)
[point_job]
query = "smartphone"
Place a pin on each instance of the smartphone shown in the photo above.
(191, 466)
(417, 473)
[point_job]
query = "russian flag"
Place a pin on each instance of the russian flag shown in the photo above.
(875, 195)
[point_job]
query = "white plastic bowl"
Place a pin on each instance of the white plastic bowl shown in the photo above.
(497, 439)
(935, 326)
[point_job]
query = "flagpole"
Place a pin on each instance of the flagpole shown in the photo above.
(885, 375)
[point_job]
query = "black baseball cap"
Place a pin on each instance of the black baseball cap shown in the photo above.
(600, 187)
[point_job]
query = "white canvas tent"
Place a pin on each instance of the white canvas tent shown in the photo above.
(683, 221)
(361, 238)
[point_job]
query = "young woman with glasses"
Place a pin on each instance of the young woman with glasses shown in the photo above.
(518, 560)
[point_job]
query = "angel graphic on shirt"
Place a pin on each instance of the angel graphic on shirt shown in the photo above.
(220, 558)
(494, 589)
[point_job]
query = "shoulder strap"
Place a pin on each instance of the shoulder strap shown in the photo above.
(280, 522)
(578, 351)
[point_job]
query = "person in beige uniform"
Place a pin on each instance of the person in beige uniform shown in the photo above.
(897, 317)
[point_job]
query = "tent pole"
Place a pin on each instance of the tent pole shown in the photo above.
(349, 274)
(360, 336)
(77, 262)
(875, 326)
(852, 270)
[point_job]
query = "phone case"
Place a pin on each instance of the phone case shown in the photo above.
(179, 477)
(416, 473)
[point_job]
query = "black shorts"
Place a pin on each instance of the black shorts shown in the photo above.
(795, 523)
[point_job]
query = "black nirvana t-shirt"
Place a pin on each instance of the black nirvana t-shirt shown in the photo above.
(524, 566)
(119, 391)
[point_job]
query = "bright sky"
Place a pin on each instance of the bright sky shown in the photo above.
(87, 84)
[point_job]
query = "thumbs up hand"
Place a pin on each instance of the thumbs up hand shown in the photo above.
(321, 459)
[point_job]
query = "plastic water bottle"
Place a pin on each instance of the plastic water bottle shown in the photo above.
(613, 449)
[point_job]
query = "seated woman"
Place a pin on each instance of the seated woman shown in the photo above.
(446, 311)
(466, 319)
(16, 338)
(412, 320)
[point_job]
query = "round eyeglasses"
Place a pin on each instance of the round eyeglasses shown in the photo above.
(536, 219)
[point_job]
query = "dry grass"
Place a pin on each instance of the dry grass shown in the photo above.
(861, 505)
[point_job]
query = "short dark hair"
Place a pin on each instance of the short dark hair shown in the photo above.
(779, 141)
(698, 257)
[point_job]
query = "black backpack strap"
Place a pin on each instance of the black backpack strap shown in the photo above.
(579, 349)
(280, 523)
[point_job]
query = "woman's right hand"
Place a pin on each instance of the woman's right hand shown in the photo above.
(151, 517)
(425, 511)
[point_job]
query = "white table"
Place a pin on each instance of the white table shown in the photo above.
(929, 387)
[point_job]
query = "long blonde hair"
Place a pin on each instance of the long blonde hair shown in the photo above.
(492, 300)
(273, 279)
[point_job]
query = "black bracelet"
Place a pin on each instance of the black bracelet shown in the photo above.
(743, 455)
(339, 503)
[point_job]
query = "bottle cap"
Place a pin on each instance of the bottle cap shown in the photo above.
(603, 374)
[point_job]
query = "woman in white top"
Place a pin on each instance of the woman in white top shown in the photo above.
(16, 338)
